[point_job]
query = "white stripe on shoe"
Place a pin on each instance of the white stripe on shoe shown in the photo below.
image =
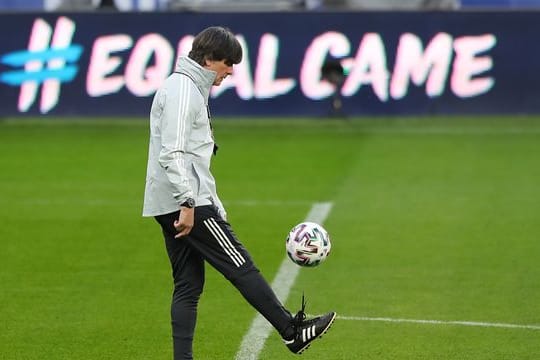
(224, 242)
(308, 333)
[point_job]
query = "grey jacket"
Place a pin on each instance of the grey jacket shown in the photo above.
(181, 142)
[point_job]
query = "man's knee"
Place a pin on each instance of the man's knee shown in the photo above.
(188, 290)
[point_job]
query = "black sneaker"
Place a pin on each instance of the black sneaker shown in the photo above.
(305, 331)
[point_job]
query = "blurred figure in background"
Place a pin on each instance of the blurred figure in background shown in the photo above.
(383, 4)
(79, 5)
(121, 5)
(71, 5)
(245, 5)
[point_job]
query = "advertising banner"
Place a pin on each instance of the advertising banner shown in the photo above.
(299, 63)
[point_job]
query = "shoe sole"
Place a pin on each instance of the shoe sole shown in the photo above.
(318, 337)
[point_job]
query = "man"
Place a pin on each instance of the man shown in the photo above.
(181, 194)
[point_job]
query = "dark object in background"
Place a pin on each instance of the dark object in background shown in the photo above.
(333, 72)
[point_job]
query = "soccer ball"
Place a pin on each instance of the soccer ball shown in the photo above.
(308, 244)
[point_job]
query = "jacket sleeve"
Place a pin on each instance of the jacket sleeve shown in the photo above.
(176, 126)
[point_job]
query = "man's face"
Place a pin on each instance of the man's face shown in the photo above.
(222, 69)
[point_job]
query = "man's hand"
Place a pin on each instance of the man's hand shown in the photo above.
(185, 221)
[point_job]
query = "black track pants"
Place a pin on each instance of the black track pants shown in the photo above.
(212, 240)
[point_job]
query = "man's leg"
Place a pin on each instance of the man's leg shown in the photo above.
(188, 274)
(217, 243)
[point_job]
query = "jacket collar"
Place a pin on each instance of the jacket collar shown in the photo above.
(202, 77)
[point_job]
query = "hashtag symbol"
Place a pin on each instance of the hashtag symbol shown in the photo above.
(44, 64)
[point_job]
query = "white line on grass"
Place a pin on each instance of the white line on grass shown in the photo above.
(254, 340)
(450, 131)
(440, 322)
(108, 201)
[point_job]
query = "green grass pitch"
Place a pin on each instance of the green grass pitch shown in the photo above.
(433, 219)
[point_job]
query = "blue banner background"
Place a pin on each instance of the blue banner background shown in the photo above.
(515, 59)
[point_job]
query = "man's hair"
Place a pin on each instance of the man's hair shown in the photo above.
(216, 43)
